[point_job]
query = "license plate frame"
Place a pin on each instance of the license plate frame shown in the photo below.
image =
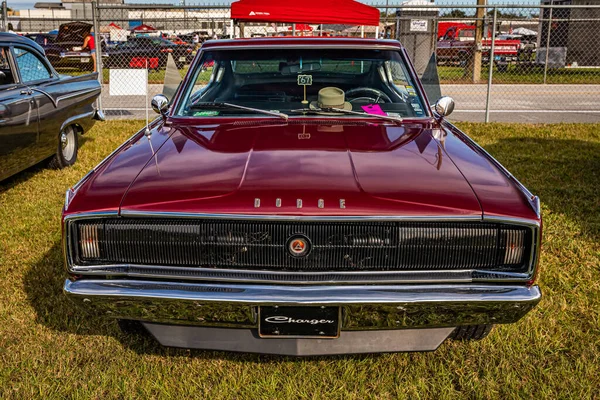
(84, 60)
(322, 322)
(182, 59)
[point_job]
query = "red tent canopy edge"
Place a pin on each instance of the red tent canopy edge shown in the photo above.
(348, 12)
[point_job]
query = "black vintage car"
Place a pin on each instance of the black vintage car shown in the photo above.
(137, 51)
(41, 112)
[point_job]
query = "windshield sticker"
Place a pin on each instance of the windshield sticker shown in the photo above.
(374, 109)
(417, 108)
(411, 90)
(206, 113)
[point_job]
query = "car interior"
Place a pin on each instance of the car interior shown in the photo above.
(6, 75)
(272, 82)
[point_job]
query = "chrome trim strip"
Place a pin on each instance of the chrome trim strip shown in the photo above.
(297, 278)
(280, 217)
(270, 46)
(304, 295)
(277, 277)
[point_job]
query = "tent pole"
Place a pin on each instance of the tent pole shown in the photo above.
(293, 29)
(377, 33)
(362, 31)
(231, 30)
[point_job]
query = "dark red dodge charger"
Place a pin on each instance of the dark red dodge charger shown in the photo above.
(298, 196)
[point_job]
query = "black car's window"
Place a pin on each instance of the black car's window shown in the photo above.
(30, 66)
(373, 81)
(6, 75)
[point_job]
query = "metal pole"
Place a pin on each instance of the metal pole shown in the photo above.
(293, 29)
(476, 57)
(548, 43)
(4, 16)
(97, 44)
(491, 66)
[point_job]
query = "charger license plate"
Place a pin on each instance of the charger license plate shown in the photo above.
(300, 322)
(85, 59)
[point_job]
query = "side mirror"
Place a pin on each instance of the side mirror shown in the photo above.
(444, 106)
(160, 104)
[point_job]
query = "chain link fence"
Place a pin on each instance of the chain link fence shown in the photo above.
(519, 62)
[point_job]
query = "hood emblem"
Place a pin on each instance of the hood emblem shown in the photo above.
(298, 246)
(299, 203)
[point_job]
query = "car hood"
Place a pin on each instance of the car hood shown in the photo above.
(73, 32)
(301, 168)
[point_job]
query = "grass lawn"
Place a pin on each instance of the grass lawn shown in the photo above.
(521, 75)
(50, 350)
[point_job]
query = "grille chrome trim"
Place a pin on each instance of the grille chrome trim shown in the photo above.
(477, 275)
(297, 278)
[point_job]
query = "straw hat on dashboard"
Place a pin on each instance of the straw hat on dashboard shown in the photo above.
(331, 97)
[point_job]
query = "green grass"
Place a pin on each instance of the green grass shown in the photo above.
(516, 74)
(50, 350)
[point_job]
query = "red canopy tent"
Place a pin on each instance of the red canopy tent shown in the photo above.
(348, 12)
(113, 25)
(302, 28)
(143, 28)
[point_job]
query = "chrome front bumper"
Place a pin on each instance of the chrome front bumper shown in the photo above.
(378, 318)
(364, 307)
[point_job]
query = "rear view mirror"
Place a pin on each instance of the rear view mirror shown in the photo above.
(444, 106)
(296, 69)
(160, 104)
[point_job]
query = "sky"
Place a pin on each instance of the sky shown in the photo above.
(25, 4)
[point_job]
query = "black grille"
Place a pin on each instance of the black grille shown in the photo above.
(335, 246)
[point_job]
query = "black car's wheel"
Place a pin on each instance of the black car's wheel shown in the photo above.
(66, 153)
(471, 332)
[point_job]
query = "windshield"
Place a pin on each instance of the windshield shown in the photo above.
(291, 80)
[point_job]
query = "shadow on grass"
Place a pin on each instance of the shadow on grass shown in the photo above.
(27, 173)
(565, 174)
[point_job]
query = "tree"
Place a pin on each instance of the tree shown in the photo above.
(456, 14)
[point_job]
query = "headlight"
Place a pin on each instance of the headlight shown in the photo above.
(90, 237)
(515, 247)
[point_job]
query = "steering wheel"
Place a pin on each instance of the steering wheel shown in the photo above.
(368, 94)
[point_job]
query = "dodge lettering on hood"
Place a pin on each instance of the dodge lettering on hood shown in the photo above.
(300, 196)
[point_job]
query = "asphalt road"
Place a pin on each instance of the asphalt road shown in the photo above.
(509, 103)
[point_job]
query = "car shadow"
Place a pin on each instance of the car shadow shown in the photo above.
(565, 174)
(27, 173)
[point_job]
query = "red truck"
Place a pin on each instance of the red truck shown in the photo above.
(457, 45)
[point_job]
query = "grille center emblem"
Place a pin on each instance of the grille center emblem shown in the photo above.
(298, 245)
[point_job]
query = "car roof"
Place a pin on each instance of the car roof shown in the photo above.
(11, 38)
(308, 41)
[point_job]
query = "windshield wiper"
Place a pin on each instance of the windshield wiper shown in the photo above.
(342, 111)
(209, 105)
